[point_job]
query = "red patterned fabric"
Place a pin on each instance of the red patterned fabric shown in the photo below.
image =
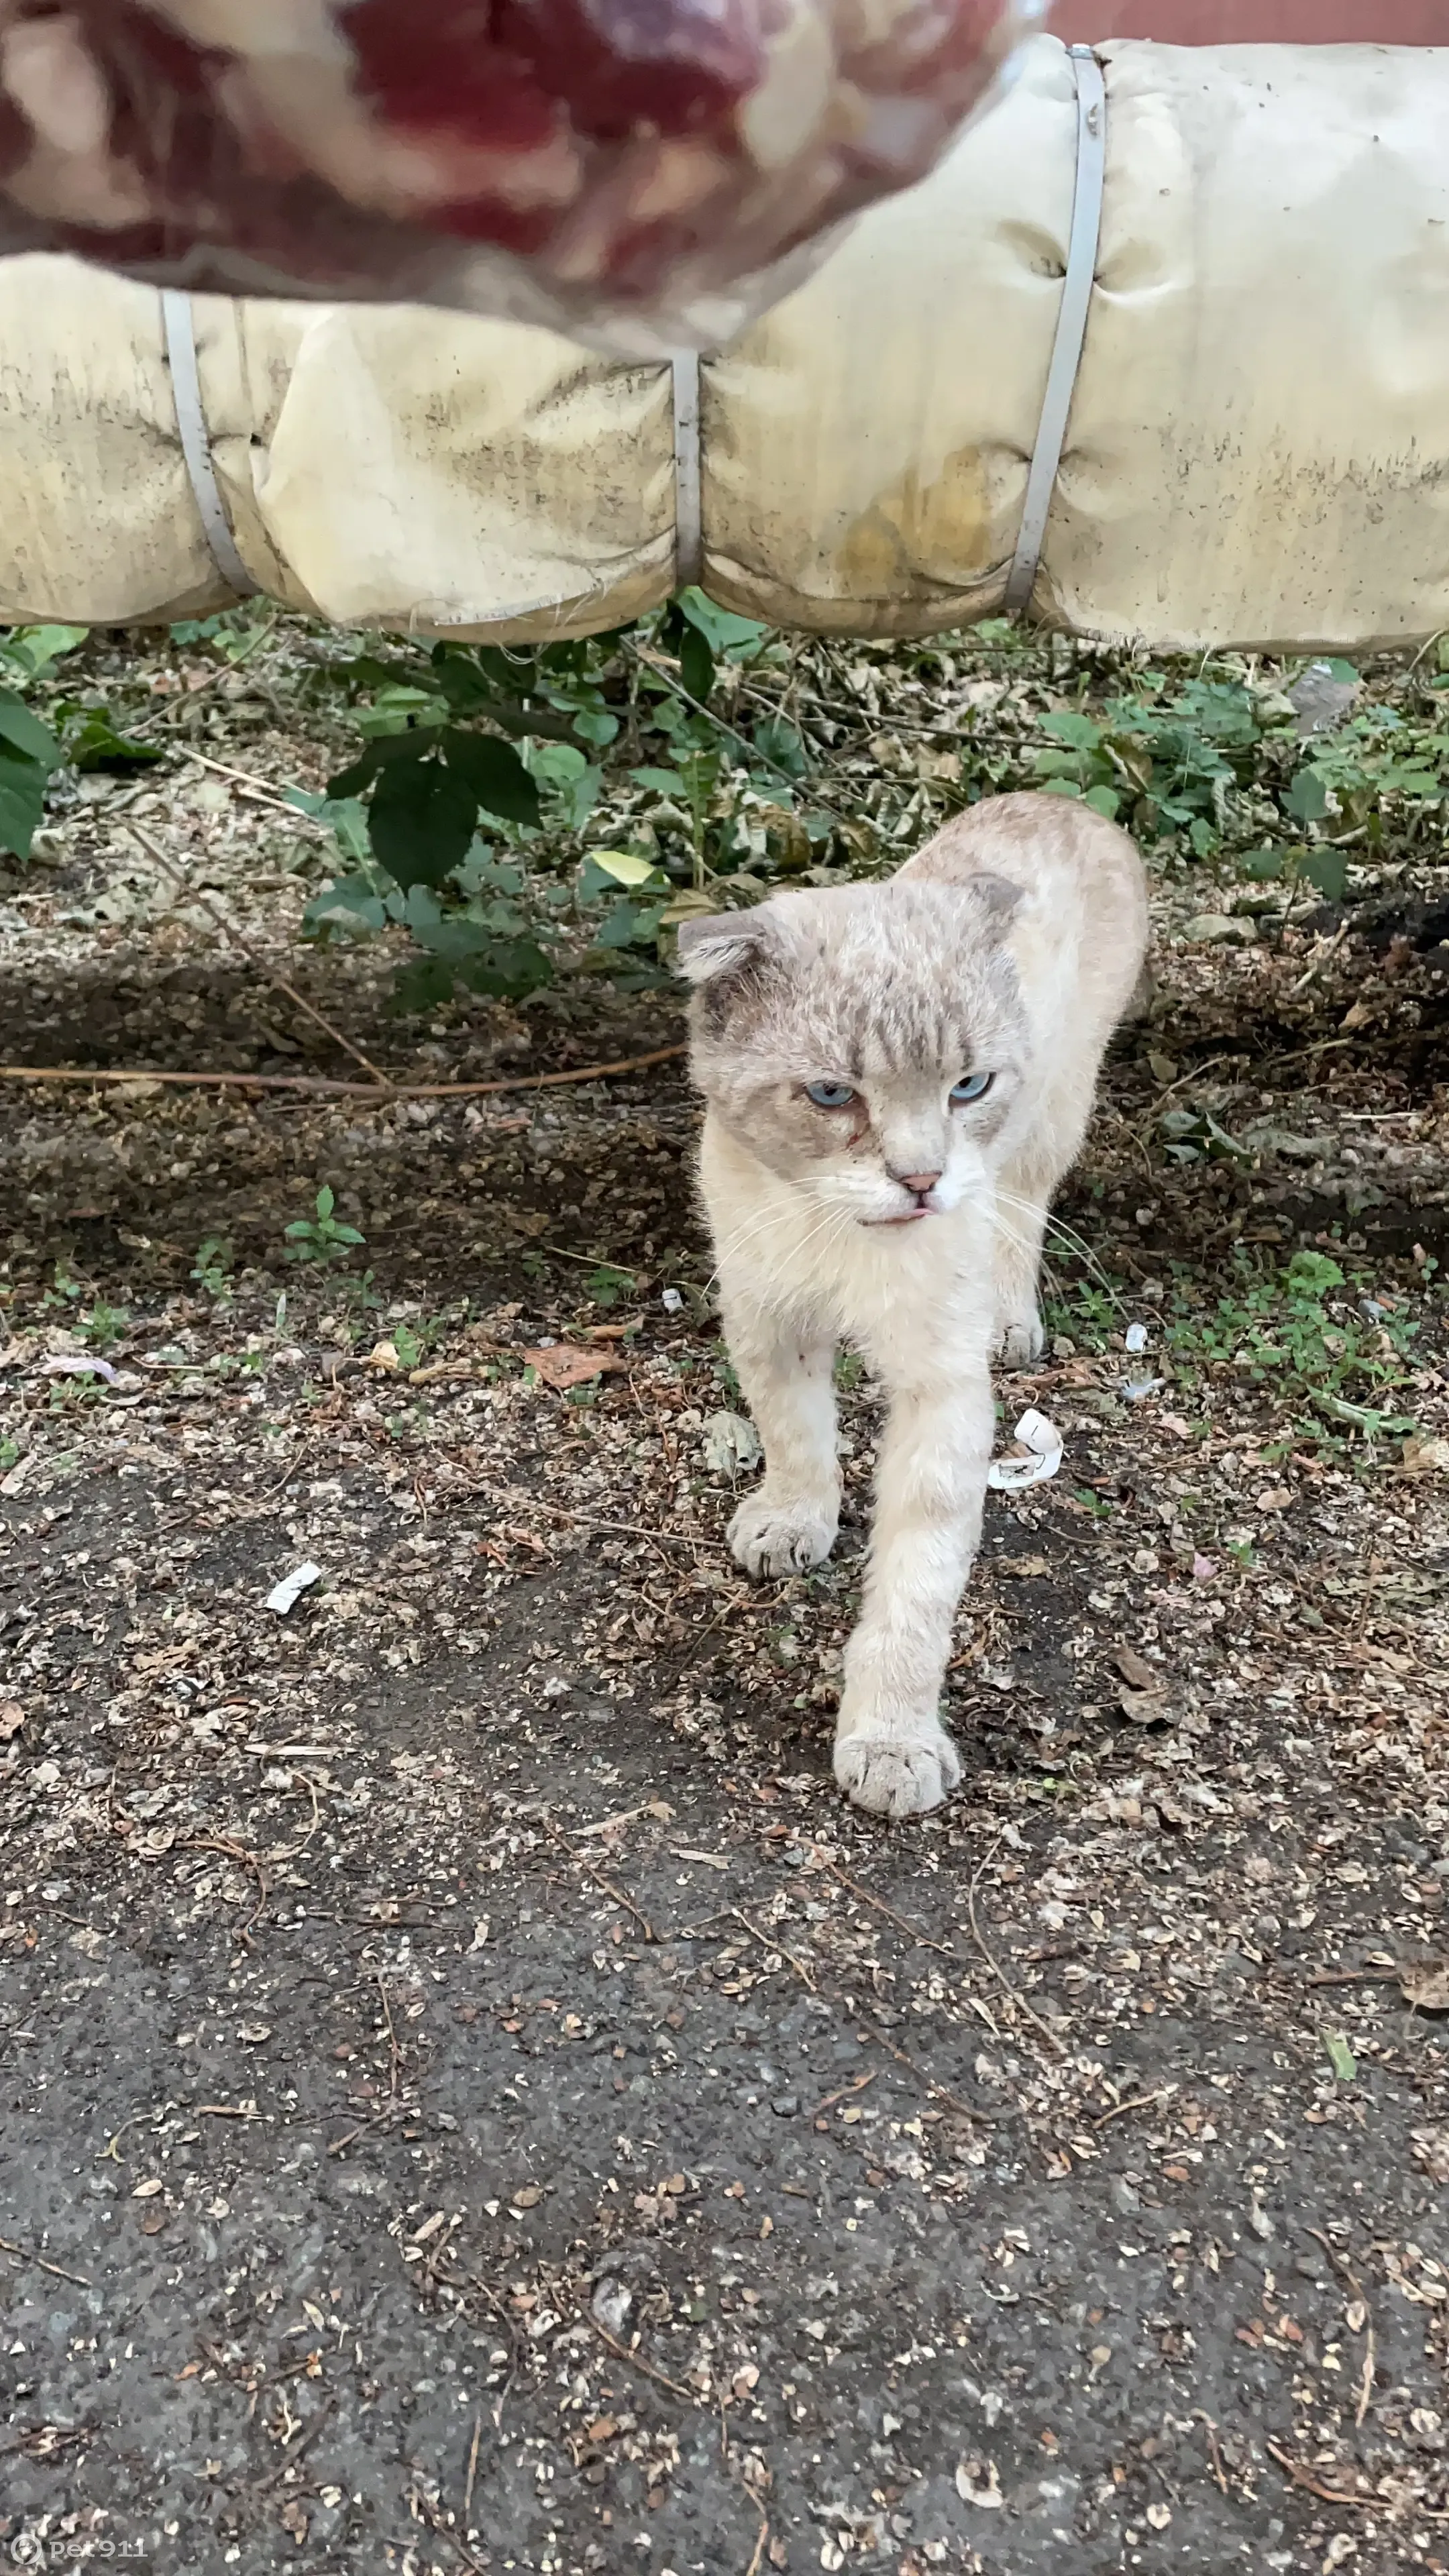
(615, 165)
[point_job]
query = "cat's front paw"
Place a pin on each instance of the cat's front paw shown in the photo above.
(1019, 1341)
(897, 1774)
(782, 1538)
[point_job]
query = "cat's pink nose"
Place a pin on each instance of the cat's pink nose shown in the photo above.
(921, 1182)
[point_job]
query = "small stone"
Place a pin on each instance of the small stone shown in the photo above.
(786, 2106)
(1209, 927)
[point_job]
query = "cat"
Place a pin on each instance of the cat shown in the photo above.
(896, 1076)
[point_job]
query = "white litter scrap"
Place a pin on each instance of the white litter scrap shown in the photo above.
(78, 1364)
(1039, 1447)
(730, 1443)
(284, 1596)
(1136, 1337)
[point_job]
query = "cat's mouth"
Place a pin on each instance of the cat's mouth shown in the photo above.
(908, 1216)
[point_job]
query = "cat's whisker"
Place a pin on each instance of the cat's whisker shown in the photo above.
(1068, 1236)
(838, 1219)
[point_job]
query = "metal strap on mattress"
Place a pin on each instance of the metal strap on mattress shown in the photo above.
(1071, 331)
(180, 329)
(688, 532)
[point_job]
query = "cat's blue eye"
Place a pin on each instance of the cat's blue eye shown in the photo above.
(830, 1095)
(972, 1086)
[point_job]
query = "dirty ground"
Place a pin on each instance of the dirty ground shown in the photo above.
(473, 2096)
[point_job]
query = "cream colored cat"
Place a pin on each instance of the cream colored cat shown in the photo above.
(896, 1078)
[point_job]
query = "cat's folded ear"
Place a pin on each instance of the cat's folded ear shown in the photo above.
(719, 943)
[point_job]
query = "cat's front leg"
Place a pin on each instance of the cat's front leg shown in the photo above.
(1021, 1221)
(785, 1376)
(892, 1753)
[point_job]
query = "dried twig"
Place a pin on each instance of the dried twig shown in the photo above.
(1302, 2477)
(382, 1090)
(379, 2121)
(1215, 2450)
(757, 2557)
(843, 2095)
(249, 1860)
(1352, 2282)
(607, 1884)
(472, 2468)
(941, 2092)
(291, 2456)
(1320, 959)
(177, 875)
(1011, 1991)
(636, 2361)
(24, 2255)
(1134, 2102)
(394, 2053)
(768, 1942)
(912, 1931)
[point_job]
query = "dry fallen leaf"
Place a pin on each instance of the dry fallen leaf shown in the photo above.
(1425, 1985)
(1431, 2150)
(1143, 1707)
(12, 1718)
(978, 2482)
(1021, 1568)
(1135, 1669)
(563, 1364)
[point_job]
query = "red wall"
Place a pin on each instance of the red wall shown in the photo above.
(1249, 22)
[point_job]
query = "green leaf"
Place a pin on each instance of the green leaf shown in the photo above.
(782, 744)
(1340, 2056)
(696, 662)
(721, 629)
(326, 1201)
(467, 688)
(1328, 870)
(1344, 672)
(596, 725)
(97, 744)
(22, 802)
(1261, 866)
(1312, 1274)
(344, 816)
(1065, 725)
(421, 821)
(630, 925)
(512, 969)
(665, 782)
(626, 867)
(380, 753)
(35, 650)
(347, 899)
(424, 984)
(562, 767)
(26, 734)
(493, 774)
(1104, 800)
(1307, 798)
